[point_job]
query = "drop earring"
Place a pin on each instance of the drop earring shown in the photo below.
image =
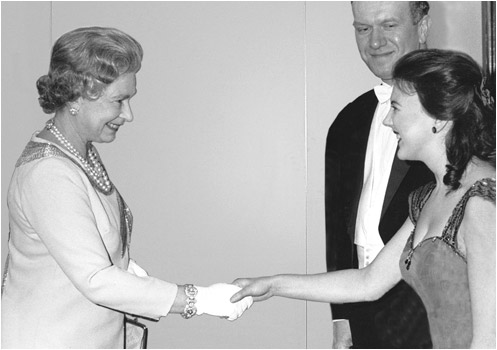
(434, 130)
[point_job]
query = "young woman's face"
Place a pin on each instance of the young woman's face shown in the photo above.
(411, 124)
(99, 120)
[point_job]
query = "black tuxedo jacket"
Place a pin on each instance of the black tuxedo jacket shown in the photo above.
(346, 145)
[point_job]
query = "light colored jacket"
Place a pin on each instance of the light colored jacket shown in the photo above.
(67, 282)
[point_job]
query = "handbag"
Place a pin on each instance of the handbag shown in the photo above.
(135, 334)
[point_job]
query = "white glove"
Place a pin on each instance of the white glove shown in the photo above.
(215, 300)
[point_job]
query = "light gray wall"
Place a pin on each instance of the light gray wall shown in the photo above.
(223, 164)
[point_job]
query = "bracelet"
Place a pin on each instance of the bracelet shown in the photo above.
(190, 308)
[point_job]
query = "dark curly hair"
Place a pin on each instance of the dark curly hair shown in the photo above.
(83, 62)
(451, 86)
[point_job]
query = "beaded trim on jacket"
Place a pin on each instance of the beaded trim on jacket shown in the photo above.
(37, 150)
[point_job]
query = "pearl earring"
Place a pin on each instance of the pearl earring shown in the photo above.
(73, 111)
(434, 130)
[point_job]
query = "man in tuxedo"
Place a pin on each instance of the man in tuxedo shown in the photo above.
(367, 186)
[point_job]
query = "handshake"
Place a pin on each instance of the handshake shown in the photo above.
(215, 301)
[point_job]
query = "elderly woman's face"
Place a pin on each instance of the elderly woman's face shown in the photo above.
(99, 120)
(411, 124)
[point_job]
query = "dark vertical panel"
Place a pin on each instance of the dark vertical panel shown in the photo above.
(488, 38)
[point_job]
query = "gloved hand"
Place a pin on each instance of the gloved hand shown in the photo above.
(215, 300)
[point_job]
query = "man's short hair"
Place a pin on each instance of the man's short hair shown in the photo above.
(419, 9)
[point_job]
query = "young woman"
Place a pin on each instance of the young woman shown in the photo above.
(443, 116)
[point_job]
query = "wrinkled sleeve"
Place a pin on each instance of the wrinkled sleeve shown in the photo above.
(56, 202)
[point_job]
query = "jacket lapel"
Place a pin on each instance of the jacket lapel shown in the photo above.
(399, 171)
(366, 111)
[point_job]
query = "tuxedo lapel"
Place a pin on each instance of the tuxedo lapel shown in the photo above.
(366, 113)
(399, 171)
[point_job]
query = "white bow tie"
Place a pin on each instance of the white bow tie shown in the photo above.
(383, 92)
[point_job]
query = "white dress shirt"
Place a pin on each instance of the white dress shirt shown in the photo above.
(380, 153)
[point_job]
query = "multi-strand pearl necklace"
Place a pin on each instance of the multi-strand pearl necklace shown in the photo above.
(93, 168)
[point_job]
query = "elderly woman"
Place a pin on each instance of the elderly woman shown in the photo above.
(69, 280)
(443, 116)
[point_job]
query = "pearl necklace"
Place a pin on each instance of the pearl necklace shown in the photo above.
(93, 168)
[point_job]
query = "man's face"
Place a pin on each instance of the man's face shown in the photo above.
(384, 32)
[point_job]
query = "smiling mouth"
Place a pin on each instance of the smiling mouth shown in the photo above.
(113, 126)
(381, 55)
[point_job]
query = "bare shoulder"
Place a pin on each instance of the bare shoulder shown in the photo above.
(478, 226)
(480, 210)
(477, 231)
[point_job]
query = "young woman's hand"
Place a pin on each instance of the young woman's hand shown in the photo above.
(258, 288)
